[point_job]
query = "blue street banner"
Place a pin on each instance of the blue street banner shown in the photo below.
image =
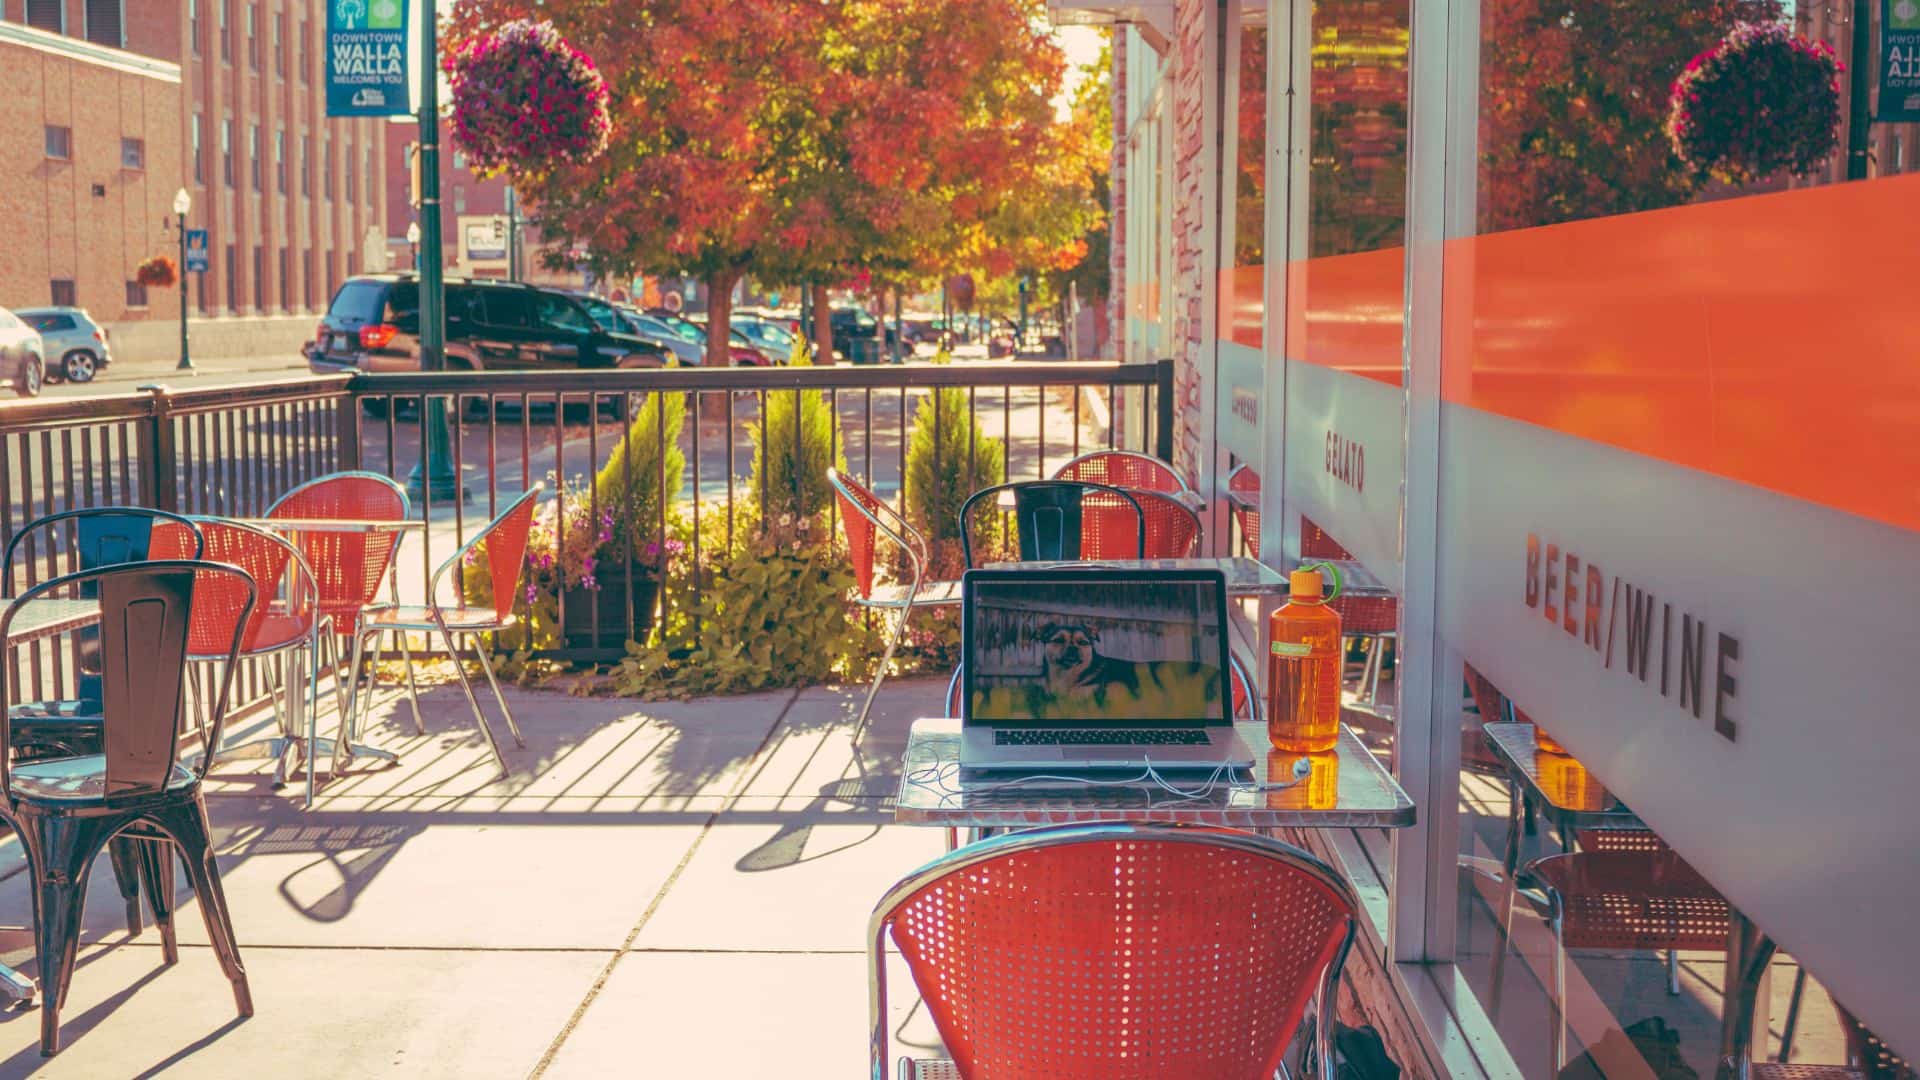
(1899, 61)
(197, 262)
(367, 58)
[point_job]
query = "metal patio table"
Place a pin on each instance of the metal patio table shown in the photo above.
(1245, 576)
(276, 747)
(1347, 789)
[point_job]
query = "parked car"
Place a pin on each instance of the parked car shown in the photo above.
(22, 357)
(77, 345)
(858, 336)
(768, 337)
(373, 324)
(686, 349)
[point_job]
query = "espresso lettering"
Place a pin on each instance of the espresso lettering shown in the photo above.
(1533, 570)
(1693, 660)
(1725, 686)
(1570, 595)
(1553, 579)
(1639, 630)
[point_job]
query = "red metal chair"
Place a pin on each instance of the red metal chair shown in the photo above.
(1632, 893)
(349, 566)
(1124, 469)
(286, 621)
(863, 517)
(1243, 495)
(1173, 529)
(505, 540)
(1096, 951)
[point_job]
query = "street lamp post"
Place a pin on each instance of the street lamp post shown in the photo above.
(183, 202)
(434, 475)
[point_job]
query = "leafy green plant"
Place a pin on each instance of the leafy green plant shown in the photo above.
(771, 614)
(793, 471)
(645, 463)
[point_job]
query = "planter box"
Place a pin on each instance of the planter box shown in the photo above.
(612, 625)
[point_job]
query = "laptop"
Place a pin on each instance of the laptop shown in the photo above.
(1096, 668)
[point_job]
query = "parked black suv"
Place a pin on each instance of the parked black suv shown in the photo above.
(373, 324)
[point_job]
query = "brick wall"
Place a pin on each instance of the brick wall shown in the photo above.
(1192, 144)
(86, 219)
(1117, 197)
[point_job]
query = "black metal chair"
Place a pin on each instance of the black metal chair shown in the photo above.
(1062, 520)
(95, 537)
(67, 809)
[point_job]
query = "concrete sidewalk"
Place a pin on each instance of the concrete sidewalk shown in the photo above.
(656, 891)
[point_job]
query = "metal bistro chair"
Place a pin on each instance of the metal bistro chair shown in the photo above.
(862, 515)
(97, 537)
(1125, 469)
(276, 628)
(1093, 951)
(1243, 495)
(1062, 520)
(349, 567)
(67, 809)
(505, 538)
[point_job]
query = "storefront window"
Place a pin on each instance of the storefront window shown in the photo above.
(1244, 287)
(1631, 333)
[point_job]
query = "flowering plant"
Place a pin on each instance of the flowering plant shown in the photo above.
(1759, 101)
(523, 96)
(157, 272)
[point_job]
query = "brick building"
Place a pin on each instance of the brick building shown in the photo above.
(225, 98)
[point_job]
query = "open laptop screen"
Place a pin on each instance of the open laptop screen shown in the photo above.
(1094, 645)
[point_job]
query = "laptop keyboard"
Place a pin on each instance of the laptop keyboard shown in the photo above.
(1099, 737)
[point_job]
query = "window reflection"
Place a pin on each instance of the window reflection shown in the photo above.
(1358, 189)
(1246, 285)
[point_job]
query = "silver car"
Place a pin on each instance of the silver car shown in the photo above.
(22, 357)
(77, 345)
(689, 353)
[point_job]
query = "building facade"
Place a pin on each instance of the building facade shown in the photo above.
(1446, 301)
(293, 201)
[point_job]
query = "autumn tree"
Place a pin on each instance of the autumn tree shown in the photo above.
(1574, 104)
(713, 105)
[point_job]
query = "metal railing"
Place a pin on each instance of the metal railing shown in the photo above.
(232, 451)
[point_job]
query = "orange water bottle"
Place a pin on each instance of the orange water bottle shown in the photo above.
(1303, 669)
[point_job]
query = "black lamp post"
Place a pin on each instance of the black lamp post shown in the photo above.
(435, 473)
(183, 202)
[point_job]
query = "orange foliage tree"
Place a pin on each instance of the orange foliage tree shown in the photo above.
(802, 142)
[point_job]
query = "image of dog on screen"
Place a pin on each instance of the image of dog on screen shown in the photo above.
(1081, 677)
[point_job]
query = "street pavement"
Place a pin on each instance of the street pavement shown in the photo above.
(126, 376)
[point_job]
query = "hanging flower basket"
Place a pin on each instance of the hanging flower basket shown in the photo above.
(1760, 101)
(526, 98)
(157, 273)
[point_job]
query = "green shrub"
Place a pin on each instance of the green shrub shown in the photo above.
(795, 477)
(630, 483)
(941, 474)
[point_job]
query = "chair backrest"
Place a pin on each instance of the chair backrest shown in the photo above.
(101, 536)
(1245, 483)
(504, 542)
(1062, 520)
(348, 566)
(145, 612)
(863, 515)
(1093, 951)
(266, 557)
(1173, 529)
(1124, 469)
(1316, 544)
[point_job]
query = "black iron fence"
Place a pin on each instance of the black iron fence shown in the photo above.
(750, 440)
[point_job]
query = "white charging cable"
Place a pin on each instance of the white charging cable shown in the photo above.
(939, 780)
